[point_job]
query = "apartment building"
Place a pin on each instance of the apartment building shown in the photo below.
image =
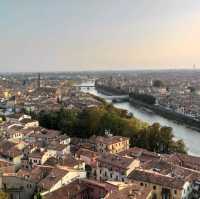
(162, 186)
(110, 144)
(115, 167)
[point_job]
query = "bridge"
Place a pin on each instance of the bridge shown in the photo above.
(113, 97)
(84, 86)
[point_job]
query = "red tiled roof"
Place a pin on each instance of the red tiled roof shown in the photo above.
(157, 179)
(115, 160)
(54, 176)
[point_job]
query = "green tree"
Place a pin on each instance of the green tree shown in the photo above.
(67, 120)
(4, 195)
(87, 122)
(158, 83)
(179, 147)
(38, 196)
(166, 139)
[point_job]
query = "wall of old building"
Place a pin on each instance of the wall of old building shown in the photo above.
(110, 175)
(17, 161)
(68, 178)
(19, 188)
(158, 189)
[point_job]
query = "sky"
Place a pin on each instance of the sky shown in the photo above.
(71, 35)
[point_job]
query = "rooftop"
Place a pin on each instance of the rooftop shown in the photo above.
(157, 179)
(54, 176)
(108, 139)
(116, 160)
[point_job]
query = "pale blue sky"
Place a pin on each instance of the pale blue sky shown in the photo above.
(49, 35)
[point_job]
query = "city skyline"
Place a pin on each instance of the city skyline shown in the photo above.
(99, 35)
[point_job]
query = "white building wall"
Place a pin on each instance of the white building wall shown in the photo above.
(187, 189)
(68, 178)
(110, 175)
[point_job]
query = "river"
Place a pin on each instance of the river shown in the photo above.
(189, 136)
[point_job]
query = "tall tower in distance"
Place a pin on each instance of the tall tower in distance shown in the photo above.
(38, 82)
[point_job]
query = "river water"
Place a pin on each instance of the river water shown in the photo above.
(189, 136)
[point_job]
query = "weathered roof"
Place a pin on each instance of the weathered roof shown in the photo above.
(157, 179)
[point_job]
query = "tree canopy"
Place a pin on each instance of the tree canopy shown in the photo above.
(4, 195)
(158, 83)
(145, 98)
(95, 121)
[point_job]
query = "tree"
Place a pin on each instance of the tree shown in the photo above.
(158, 83)
(67, 120)
(94, 121)
(179, 147)
(166, 139)
(38, 196)
(4, 195)
(145, 98)
(192, 89)
(159, 139)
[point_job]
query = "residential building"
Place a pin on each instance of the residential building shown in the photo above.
(110, 144)
(162, 186)
(58, 178)
(18, 187)
(115, 167)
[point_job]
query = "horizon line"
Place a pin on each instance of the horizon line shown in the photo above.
(101, 70)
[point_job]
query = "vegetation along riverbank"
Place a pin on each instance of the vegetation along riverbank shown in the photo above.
(96, 120)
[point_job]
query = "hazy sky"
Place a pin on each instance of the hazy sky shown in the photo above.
(49, 35)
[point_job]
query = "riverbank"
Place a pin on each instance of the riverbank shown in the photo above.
(171, 115)
(109, 91)
(168, 114)
(188, 135)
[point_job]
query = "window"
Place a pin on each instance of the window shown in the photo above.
(111, 175)
(175, 192)
(29, 186)
(154, 196)
(154, 187)
(141, 184)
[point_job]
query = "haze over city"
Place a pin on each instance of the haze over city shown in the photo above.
(98, 35)
(99, 99)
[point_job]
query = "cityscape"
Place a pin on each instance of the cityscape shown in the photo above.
(59, 138)
(100, 99)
